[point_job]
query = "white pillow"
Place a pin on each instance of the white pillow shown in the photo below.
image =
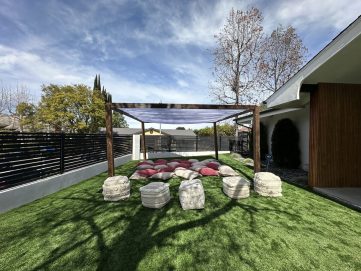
(173, 164)
(197, 167)
(186, 173)
(162, 175)
(226, 171)
(157, 167)
(136, 176)
(144, 167)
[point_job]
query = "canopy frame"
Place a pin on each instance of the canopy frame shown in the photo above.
(120, 107)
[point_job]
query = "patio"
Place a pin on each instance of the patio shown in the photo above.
(74, 229)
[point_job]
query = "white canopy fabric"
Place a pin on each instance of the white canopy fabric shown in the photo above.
(179, 116)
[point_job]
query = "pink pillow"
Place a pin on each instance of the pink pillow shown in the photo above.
(212, 165)
(208, 171)
(147, 172)
(167, 169)
(144, 163)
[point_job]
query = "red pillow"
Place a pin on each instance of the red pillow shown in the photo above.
(147, 172)
(166, 169)
(212, 165)
(160, 162)
(208, 171)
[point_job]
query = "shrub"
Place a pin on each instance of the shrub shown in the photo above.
(285, 150)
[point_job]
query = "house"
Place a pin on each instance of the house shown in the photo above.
(323, 99)
(152, 131)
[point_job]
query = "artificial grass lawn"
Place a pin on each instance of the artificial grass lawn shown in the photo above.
(75, 229)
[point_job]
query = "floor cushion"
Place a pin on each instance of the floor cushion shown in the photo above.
(166, 169)
(227, 171)
(144, 166)
(186, 173)
(162, 175)
(158, 167)
(147, 172)
(213, 165)
(208, 171)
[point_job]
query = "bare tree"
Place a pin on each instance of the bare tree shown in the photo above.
(283, 54)
(236, 57)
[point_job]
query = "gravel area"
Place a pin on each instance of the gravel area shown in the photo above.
(296, 176)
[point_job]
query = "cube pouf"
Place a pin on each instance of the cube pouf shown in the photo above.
(191, 194)
(267, 184)
(236, 187)
(155, 194)
(116, 188)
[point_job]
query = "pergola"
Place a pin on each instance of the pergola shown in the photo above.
(180, 114)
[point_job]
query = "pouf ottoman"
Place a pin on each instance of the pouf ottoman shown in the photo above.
(267, 184)
(155, 194)
(236, 187)
(116, 188)
(191, 194)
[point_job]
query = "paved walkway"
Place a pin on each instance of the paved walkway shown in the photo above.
(348, 195)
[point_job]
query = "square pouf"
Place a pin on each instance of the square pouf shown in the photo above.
(155, 194)
(116, 188)
(267, 184)
(236, 187)
(191, 194)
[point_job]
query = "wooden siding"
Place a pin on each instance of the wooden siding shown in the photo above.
(335, 136)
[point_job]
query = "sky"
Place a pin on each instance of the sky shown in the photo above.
(144, 51)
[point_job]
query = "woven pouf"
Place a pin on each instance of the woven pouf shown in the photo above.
(267, 184)
(155, 194)
(191, 194)
(116, 188)
(236, 187)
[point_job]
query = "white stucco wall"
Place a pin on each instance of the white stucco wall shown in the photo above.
(301, 119)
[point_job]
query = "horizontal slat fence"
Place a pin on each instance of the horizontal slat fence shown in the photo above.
(187, 143)
(25, 157)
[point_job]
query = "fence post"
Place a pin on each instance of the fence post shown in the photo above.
(196, 143)
(220, 142)
(62, 147)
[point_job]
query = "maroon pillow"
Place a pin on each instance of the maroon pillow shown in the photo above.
(147, 172)
(160, 162)
(208, 171)
(184, 162)
(144, 163)
(212, 165)
(166, 169)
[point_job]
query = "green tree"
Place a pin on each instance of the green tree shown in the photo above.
(26, 113)
(119, 121)
(70, 108)
(225, 129)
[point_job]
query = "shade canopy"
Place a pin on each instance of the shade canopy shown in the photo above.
(180, 113)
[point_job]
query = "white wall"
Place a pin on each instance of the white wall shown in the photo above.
(301, 119)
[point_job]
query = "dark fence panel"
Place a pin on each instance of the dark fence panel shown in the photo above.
(186, 143)
(25, 157)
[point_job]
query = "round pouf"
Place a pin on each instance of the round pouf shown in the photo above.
(267, 184)
(116, 188)
(236, 187)
(191, 194)
(155, 194)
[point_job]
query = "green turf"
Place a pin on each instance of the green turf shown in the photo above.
(75, 229)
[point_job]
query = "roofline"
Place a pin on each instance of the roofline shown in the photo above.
(314, 59)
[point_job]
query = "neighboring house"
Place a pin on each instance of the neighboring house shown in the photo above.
(324, 101)
(9, 124)
(151, 131)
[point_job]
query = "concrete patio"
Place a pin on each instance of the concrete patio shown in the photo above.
(348, 195)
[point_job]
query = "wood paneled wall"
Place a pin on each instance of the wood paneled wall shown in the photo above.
(335, 136)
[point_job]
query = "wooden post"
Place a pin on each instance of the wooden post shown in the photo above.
(215, 139)
(109, 136)
(256, 140)
(143, 143)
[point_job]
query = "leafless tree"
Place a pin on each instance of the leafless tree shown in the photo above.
(283, 54)
(236, 58)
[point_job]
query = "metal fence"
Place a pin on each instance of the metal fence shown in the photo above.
(25, 157)
(189, 143)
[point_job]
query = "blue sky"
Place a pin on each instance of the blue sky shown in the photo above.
(145, 51)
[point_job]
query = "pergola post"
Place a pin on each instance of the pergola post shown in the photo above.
(256, 140)
(143, 143)
(109, 137)
(215, 139)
